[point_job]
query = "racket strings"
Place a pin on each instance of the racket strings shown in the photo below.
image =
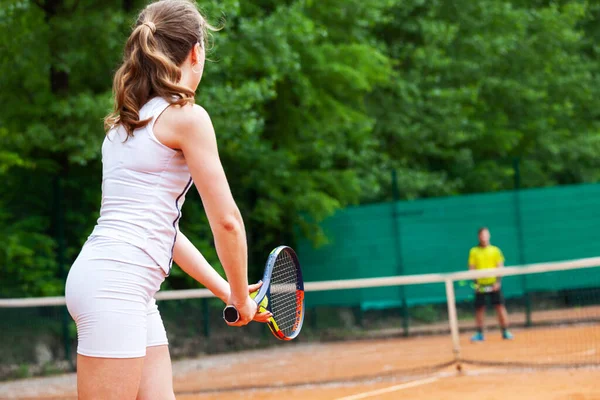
(285, 298)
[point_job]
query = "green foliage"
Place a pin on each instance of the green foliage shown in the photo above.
(313, 104)
(22, 372)
(480, 82)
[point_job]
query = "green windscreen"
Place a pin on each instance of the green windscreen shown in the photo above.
(435, 235)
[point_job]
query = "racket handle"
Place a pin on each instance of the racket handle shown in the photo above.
(231, 314)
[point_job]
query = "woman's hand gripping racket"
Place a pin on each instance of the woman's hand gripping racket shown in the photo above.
(282, 294)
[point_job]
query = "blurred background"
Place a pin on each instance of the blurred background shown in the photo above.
(374, 136)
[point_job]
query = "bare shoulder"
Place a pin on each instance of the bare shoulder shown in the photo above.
(188, 118)
(180, 124)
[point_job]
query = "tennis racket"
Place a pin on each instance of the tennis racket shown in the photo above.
(282, 293)
(482, 288)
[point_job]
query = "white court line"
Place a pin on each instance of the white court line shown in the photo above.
(389, 389)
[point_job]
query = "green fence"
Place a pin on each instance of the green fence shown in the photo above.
(435, 235)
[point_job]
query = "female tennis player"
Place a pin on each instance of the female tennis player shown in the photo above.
(158, 142)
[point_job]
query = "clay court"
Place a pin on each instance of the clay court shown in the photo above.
(413, 368)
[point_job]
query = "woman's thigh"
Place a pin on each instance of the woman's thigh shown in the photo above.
(109, 301)
(157, 375)
(108, 378)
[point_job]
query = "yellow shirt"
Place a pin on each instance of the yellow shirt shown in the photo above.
(485, 258)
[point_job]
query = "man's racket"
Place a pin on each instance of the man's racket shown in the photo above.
(482, 288)
(282, 293)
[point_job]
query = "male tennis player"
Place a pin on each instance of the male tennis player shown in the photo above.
(486, 256)
(158, 142)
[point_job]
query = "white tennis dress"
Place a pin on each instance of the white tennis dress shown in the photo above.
(111, 286)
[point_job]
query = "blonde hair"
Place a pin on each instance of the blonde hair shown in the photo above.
(164, 34)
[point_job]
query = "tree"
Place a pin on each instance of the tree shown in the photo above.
(55, 93)
(313, 103)
(286, 101)
(478, 83)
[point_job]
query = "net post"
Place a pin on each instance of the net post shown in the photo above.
(358, 314)
(452, 318)
(405, 315)
(520, 236)
(398, 246)
(527, 301)
(206, 318)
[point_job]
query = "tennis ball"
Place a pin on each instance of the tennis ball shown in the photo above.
(262, 307)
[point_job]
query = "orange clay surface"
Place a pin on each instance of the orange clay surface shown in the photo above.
(381, 369)
(546, 385)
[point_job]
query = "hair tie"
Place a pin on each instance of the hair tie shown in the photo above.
(150, 25)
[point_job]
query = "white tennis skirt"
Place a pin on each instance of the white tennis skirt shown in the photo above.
(110, 295)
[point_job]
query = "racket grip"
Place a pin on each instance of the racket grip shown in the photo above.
(231, 314)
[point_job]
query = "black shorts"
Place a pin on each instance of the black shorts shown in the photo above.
(496, 298)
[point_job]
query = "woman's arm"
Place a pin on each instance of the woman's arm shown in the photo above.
(195, 265)
(190, 129)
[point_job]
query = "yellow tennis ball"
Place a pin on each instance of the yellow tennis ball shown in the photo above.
(262, 307)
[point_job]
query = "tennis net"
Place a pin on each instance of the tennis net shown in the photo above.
(352, 332)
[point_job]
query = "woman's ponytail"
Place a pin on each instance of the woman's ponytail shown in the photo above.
(165, 33)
